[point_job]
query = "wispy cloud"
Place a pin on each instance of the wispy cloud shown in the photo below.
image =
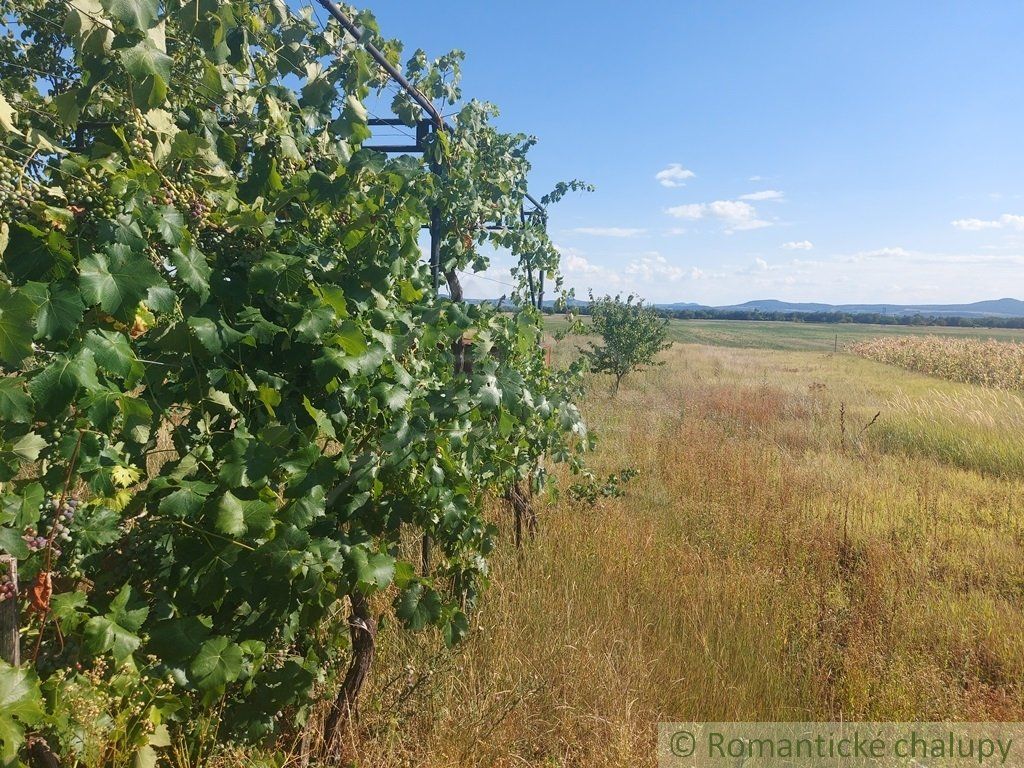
(797, 276)
(654, 266)
(574, 263)
(736, 215)
(674, 176)
(610, 231)
(1006, 221)
(884, 253)
(766, 194)
(798, 245)
(649, 274)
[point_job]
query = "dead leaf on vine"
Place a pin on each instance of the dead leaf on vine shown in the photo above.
(40, 592)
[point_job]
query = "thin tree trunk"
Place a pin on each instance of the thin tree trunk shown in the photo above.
(363, 630)
(531, 520)
(454, 286)
(522, 509)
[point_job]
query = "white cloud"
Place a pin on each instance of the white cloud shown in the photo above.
(796, 275)
(692, 211)
(648, 274)
(755, 178)
(654, 266)
(573, 262)
(1006, 221)
(674, 176)
(767, 194)
(735, 214)
(882, 253)
(610, 231)
(798, 245)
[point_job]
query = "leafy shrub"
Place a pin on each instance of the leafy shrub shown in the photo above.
(633, 334)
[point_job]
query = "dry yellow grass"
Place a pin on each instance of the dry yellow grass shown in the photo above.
(770, 562)
(774, 560)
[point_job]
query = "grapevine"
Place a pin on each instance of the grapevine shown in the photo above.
(230, 395)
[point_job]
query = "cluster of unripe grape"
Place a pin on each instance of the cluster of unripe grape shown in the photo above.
(55, 517)
(325, 223)
(182, 195)
(137, 139)
(90, 194)
(17, 191)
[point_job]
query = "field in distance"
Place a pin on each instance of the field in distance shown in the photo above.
(807, 336)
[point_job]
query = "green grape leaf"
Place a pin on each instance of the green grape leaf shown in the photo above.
(187, 501)
(193, 269)
(230, 515)
(15, 403)
(114, 355)
(16, 325)
(60, 313)
(28, 447)
(134, 14)
(8, 117)
(218, 663)
(418, 606)
(117, 281)
(373, 571)
(19, 693)
(102, 634)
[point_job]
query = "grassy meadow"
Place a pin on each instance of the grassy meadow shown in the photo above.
(769, 334)
(811, 536)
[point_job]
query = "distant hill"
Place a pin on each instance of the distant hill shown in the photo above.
(990, 308)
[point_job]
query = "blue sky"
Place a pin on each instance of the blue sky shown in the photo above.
(808, 151)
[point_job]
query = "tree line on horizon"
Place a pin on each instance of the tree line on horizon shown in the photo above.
(865, 318)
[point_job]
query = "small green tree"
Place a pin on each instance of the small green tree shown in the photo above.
(633, 334)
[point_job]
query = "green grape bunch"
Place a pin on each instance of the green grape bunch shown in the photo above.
(17, 191)
(89, 196)
(137, 141)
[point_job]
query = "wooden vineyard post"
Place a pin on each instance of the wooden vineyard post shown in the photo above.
(10, 643)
